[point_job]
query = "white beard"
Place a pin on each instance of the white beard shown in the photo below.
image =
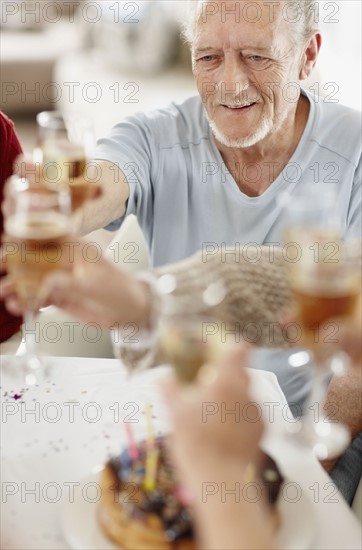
(266, 127)
(242, 143)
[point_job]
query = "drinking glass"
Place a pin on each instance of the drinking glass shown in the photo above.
(65, 145)
(182, 333)
(191, 340)
(325, 280)
(192, 345)
(134, 346)
(37, 230)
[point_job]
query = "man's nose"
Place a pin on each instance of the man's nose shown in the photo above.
(235, 77)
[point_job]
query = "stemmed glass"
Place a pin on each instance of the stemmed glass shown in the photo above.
(37, 230)
(65, 145)
(183, 334)
(191, 339)
(192, 345)
(325, 280)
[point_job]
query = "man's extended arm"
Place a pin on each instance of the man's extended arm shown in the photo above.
(112, 202)
(112, 192)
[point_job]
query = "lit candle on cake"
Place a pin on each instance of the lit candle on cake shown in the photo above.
(151, 454)
(132, 446)
(151, 469)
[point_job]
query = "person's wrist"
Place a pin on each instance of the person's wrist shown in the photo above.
(149, 302)
(136, 303)
(198, 477)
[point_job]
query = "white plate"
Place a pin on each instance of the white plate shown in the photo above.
(82, 532)
(79, 518)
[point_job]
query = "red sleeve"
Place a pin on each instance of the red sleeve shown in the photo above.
(10, 148)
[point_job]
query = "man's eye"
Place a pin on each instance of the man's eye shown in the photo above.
(207, 58)
(257, 58)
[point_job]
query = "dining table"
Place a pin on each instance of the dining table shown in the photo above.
(57, 435)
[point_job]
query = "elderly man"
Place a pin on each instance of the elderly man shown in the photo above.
(211, 170)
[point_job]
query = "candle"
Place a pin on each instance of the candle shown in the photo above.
(151, 469)
(132, 446)
(152, 453)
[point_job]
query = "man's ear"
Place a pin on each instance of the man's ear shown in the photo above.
(310, 56)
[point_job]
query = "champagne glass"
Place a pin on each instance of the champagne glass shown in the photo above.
(186, 337)
(65, 144)
(37, 230)
(192, 344)
(325, 281)
(134, 344)
(191, 339)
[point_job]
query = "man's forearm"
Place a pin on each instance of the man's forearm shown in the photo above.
(111, 204)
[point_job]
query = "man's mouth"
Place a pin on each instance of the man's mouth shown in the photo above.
(239, 107)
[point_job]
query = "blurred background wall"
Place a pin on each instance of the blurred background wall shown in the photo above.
(105, 58)
(112, 58)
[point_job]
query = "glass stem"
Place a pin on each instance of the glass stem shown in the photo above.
(315, 410)
(30, 333)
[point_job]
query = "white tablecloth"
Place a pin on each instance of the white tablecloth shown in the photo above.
(54, 435)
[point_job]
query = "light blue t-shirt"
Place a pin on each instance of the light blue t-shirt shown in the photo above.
(184, 197)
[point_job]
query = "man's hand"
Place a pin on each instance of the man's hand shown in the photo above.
(344, 397)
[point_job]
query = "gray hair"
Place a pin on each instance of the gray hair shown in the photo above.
(304, 13)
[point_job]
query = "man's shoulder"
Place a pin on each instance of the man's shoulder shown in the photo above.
(338, 129)
(179, 123)
(339, 116)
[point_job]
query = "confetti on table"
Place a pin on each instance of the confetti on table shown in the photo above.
(17, 396)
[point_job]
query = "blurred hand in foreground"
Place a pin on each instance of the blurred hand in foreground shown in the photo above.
(210, 447)
(203, 434)
(95, 290)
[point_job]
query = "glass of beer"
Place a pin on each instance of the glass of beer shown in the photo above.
(325, 269)
(65, 145)
(37, 242)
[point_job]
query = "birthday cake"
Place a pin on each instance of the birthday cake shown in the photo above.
(152, 512)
